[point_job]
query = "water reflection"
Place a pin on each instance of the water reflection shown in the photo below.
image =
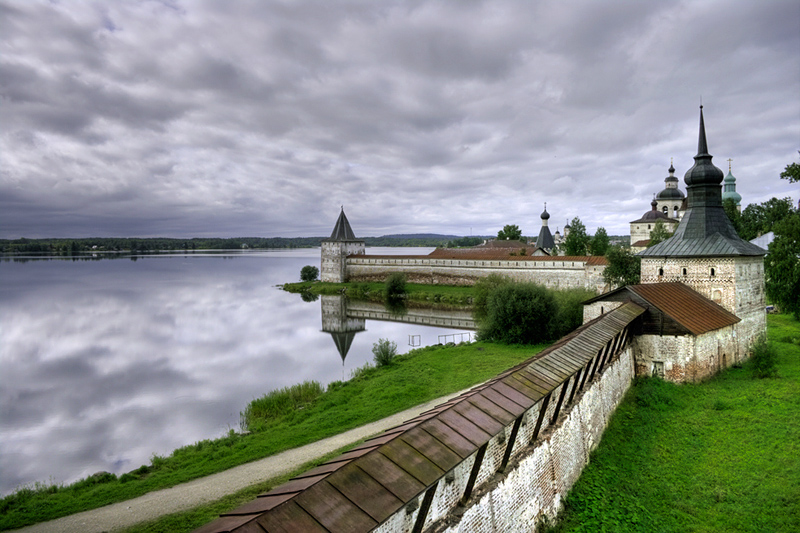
(105, 363)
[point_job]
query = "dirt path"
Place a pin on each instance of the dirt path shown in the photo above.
(204, 490)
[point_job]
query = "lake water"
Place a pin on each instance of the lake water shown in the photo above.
(104, 363)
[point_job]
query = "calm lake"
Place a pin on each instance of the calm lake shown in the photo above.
(104, 363)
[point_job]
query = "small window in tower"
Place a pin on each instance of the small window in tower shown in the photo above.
(665, 210)
(713, 272)
(660, 272)
(674, 212)
(648, 226)
(683, 270)
(658, 368)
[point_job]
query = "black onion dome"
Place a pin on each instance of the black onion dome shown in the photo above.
(703, 172)
(670, 194)
(545, 214)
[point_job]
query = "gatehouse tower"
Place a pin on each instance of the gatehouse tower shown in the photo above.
(708, 255)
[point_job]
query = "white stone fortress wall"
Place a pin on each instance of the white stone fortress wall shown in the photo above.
(334, 259)
(538, 476)
(554, 274)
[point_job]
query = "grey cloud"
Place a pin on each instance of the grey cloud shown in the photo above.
(212, 119)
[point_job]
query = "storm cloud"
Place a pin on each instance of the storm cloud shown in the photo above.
(179, 119)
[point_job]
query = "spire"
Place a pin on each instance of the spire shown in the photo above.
(702, 145)
(703, 172)
(705, 230)
(342, 230)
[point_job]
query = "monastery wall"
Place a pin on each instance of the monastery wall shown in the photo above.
(552, 274)
(538, 476)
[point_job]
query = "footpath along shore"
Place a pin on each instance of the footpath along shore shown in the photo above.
(118, 516)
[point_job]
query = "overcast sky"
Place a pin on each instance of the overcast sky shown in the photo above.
(220, 119)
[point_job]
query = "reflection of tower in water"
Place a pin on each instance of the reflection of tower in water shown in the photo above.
(336, 322)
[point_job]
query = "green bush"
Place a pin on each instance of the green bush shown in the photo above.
(484, 287)
(395, 286)
(384, 351)
(569, 310)
(764, 359)
(519, 313)
(309, 273)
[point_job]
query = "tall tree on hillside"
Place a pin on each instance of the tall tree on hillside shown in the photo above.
(623, 268)
(791, 172)
(733, 214)
(658, 234)
(782, 265)
(599, 244)
(510, 232)
(758, 219)
(577, 242)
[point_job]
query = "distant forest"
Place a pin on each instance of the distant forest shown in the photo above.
(117, 244)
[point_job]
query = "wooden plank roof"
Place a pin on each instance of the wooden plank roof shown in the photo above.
(358, 490)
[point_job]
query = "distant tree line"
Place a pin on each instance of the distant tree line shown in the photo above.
(119, 244)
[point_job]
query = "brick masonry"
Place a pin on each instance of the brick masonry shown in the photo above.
(538, 476)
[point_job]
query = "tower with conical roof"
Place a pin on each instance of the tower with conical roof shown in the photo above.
(707, 254)
(335, 250)
(670, 199)
(729, 189)
(545, 239)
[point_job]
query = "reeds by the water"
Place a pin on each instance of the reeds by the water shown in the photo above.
(279, 402)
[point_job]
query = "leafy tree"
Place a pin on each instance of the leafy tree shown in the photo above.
(510, 232)
(782, 265)
(600, 241)
(577, 242)
(791, 172)
(623, 268)
(733, 214)
(758, 219)
(658, 234)
(519, 313)
(309, 273)
(384, 352)
(395, 287)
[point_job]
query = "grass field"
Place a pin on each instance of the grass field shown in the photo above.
(719, 456)
(417, 294)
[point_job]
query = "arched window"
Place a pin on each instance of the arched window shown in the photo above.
(665, 210)
(648, 226)
(675, 211)
(684, 271)
(660, 272)
(713, 272)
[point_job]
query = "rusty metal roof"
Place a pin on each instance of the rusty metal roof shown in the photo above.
(682, 304)
(361, 488)
(686, 306)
